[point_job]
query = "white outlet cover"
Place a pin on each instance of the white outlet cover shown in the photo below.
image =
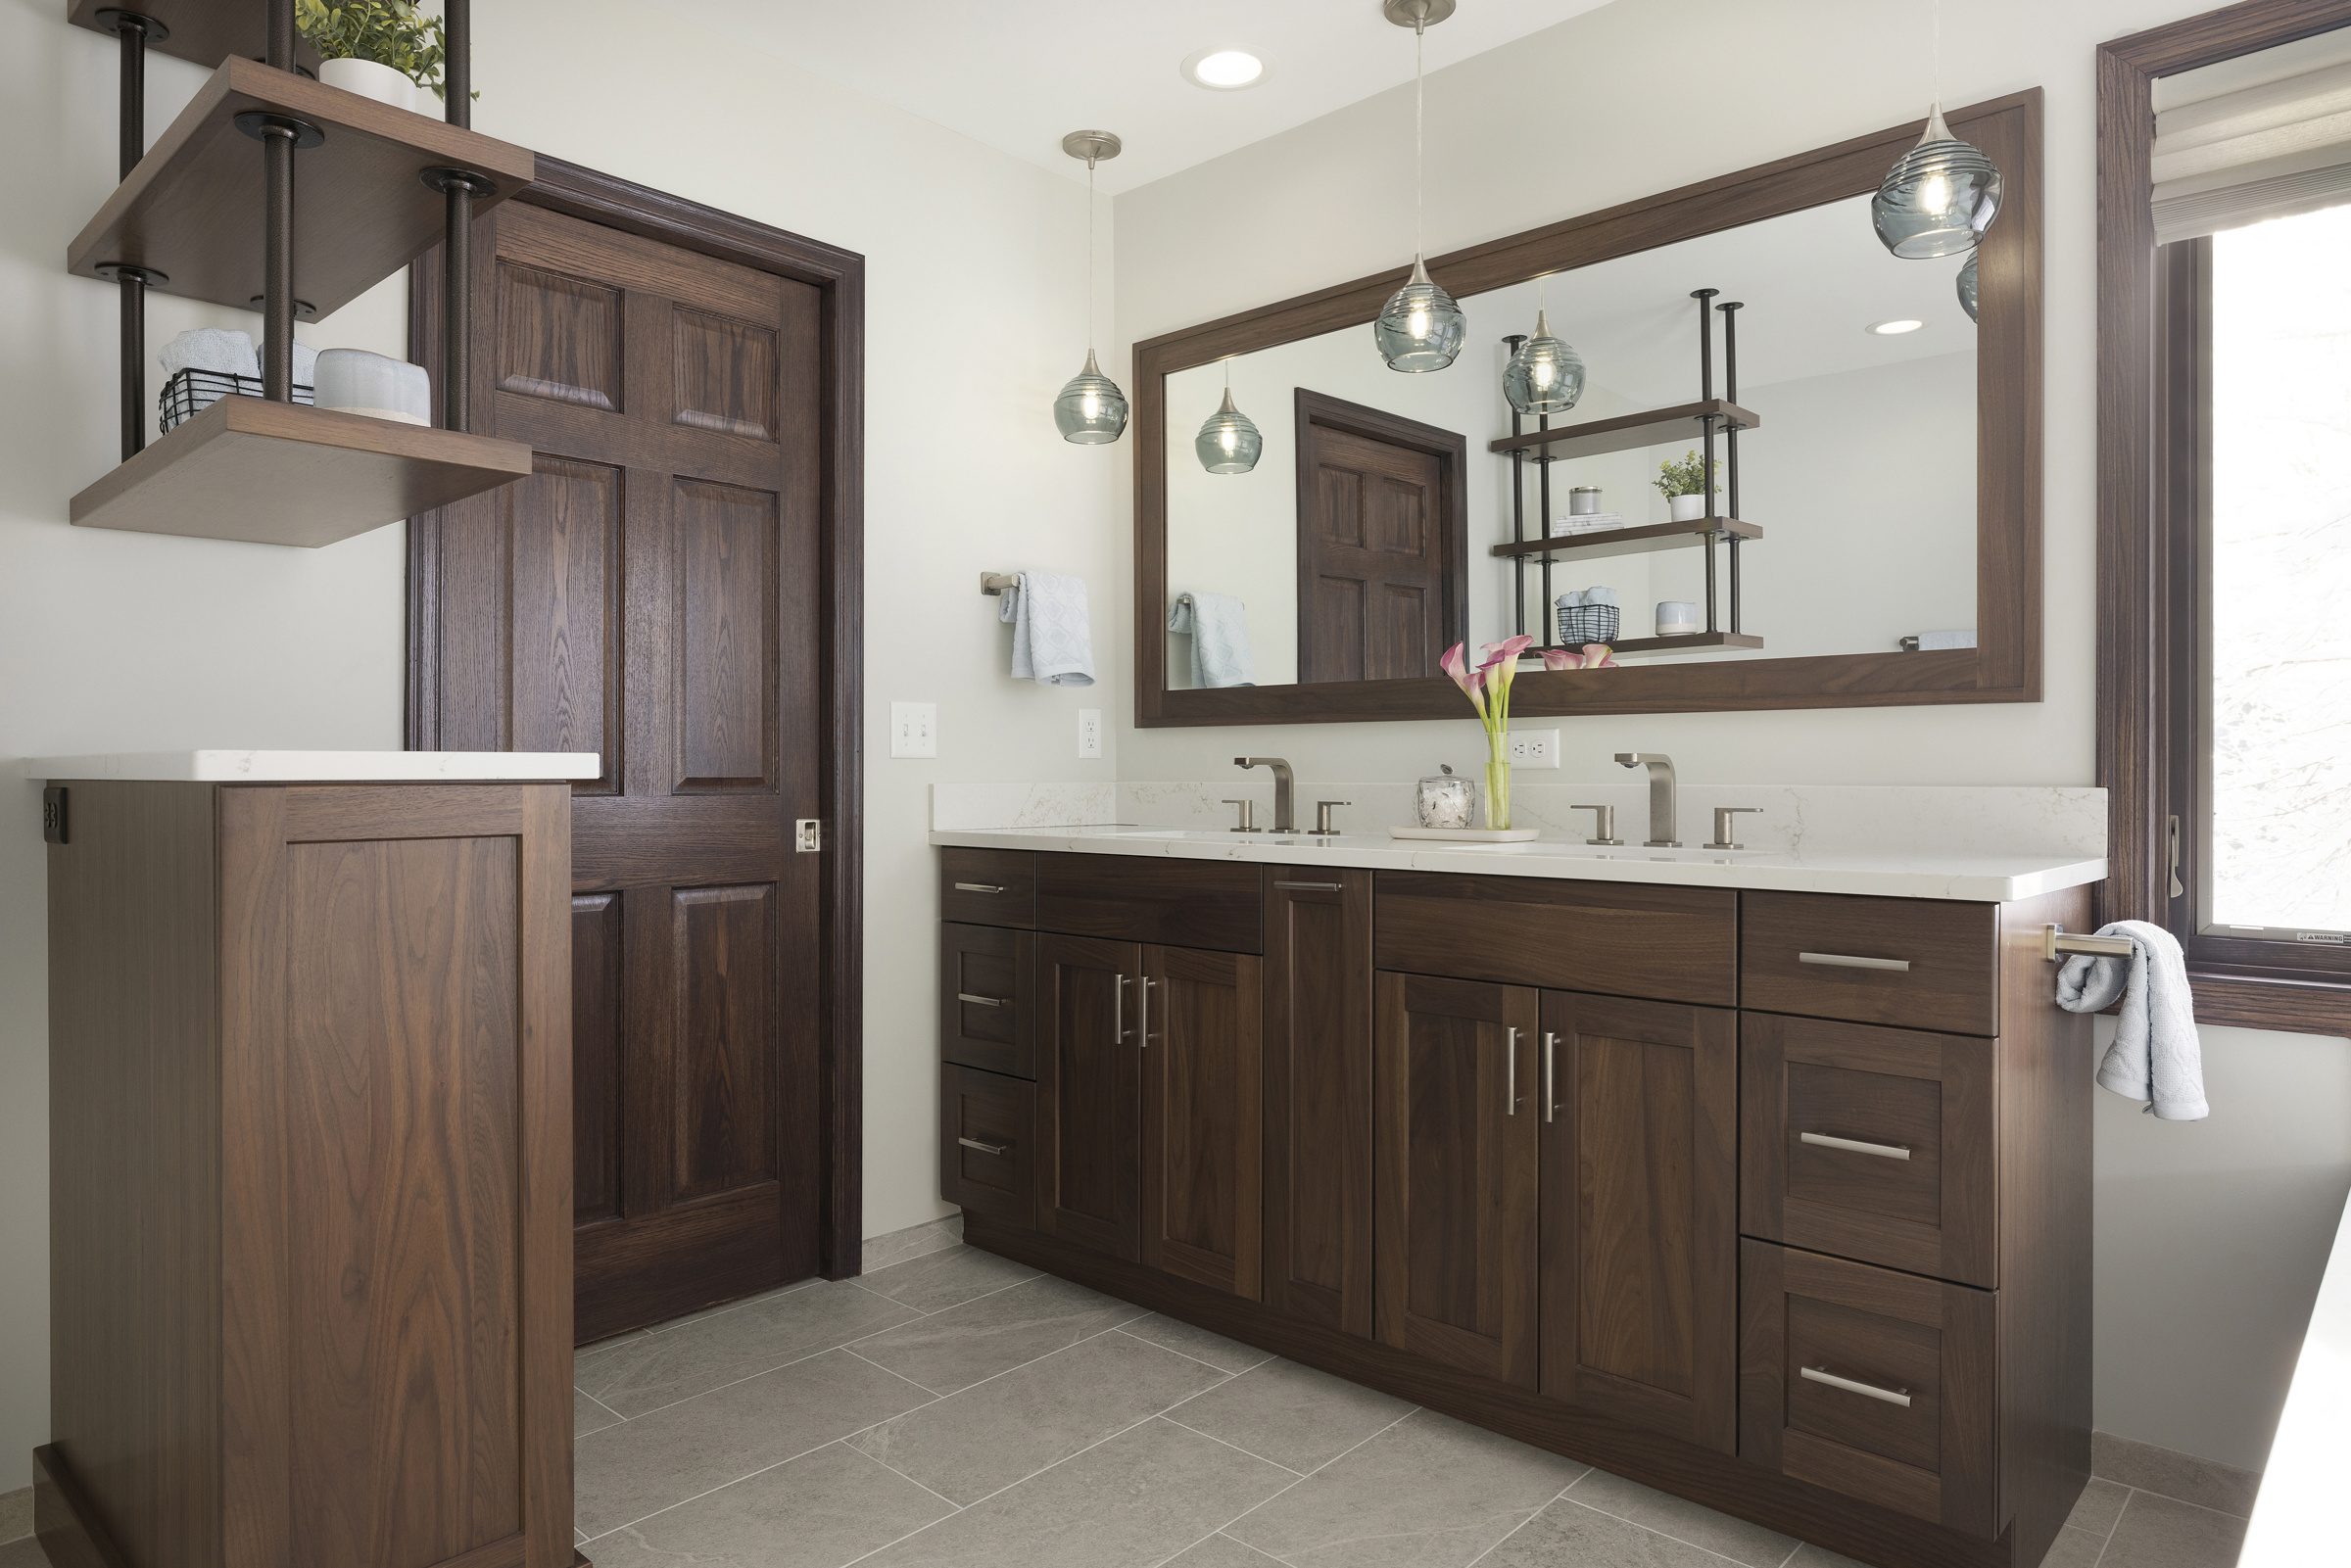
(914, 729)
(1534, 748)
(1089, 732)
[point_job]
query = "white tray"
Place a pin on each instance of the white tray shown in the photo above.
(1470, 836)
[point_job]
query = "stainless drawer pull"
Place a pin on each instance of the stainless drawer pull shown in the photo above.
(1900, 966)
(1868, 1391)
(978, 887)
(984, 1001)
(1310, 888)
(1884, 1150)
(1119, 1034)
(999, 1148)
(1509, 1093)
(1550, 1088)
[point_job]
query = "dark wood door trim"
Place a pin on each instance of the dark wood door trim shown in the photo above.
(840, 275)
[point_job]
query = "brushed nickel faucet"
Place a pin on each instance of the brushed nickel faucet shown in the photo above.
(1285, 789)
(1664, 802)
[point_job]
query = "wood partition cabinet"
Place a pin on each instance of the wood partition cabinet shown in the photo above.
(311, 1177)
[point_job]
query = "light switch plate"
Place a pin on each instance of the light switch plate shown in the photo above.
(1089, 732)
(1534, 748)
(914, 729)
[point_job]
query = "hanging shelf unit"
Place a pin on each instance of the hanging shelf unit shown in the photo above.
(211, 209)
(1704, 420)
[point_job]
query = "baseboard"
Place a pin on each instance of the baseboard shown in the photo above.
(2169, 1473)
(915, 1241)
(62, 1516)
(16, 1514)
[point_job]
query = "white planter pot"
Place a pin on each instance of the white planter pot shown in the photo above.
(369, 81)
(1687, 508)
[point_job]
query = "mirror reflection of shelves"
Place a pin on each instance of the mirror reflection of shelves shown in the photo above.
(1705, 419)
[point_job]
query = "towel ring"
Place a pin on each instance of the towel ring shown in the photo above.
(2055, 944)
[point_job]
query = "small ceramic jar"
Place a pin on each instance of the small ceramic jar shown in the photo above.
(355, 381)
(1445, 801)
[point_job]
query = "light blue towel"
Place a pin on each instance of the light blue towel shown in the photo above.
(1218, 625)
(1052, 634)
(2156, 1056)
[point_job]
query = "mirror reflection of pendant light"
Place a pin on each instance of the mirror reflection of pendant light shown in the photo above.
(1545, 375)
(1091, 410)
(1229, 444)
(1420, 328)
(1967, 287)
(1939, 196)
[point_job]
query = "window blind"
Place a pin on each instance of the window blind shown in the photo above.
(2264, 135)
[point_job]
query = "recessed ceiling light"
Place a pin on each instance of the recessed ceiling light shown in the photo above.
(1893, 329)
(1223, 70)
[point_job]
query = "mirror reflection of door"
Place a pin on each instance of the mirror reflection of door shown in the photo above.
(1379, 541)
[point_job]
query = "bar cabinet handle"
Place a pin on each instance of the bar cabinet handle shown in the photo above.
(1551, 1092)
(1900, 966)
(983, 1147)
(1509, 1099)
(1310, 888)
(984, 1001)
(1869, 1391)
(1119, 1033)
(1146, 1030)
(978, 887)
(1884, 1150)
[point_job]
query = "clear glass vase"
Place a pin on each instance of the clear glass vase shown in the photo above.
(1498, 779)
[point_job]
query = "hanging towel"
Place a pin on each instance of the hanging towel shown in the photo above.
(220, 349)
(1052, 637)
(1218, 625)
(2155, 1056)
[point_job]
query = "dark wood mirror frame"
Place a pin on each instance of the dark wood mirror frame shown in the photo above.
(2004, 666)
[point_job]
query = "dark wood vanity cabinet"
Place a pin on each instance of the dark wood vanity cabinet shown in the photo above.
(1089, 1094)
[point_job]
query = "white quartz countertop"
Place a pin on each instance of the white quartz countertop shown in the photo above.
(315, 767)
(1976, 877)
(2299, 1515)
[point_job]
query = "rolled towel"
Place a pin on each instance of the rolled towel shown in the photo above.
(1218, 625)
(222, 350)
(1052, 634)
(2155, 1056)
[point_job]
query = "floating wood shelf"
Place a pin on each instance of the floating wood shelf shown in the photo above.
(1680, 644)
(1595, 437)
(285, 473)
(1630, 540)
(206, 31)
(193, 207)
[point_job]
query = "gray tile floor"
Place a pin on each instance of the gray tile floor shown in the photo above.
(956, 1408)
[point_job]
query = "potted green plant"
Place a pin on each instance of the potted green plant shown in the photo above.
(379, 49)
(1683, 483)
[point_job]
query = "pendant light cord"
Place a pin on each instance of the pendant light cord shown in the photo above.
(1089, 259)
(1936, 11)
(1419, 142)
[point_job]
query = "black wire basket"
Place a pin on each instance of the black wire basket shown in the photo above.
(1587, 623)
(190, 392)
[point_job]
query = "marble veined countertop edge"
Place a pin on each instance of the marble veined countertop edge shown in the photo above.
(1973, 878)
(317, 767)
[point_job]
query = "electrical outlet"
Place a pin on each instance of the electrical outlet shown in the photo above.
(1089, 732)
(1534, 748)
(914, 729)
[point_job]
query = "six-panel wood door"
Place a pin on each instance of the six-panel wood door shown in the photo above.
(1198, 1030)
(1377, 542)
(649, 594)
(1317, 1097)
(1455, 1173)
(1640, 1103)
(1088, 1093)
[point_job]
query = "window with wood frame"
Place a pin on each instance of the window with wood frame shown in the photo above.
(2225, 502)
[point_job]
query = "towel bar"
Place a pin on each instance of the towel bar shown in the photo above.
(993, 584)
(2055, 944)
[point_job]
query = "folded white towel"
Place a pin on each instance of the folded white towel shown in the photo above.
(1218, 625)
(2156, 1056)
(220, 349)
(1052, 634)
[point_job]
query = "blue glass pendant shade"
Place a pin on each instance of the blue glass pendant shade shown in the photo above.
(1229, 444)
(1967, 287)
(1091, 410)
(1937, 199)
(1421, 328)
(1546, 375)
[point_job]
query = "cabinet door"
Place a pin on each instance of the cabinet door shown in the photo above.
(1198, 1022)
(1640, 1213)
(1454, 1172)
(1319, 1098)
(1089, 1090)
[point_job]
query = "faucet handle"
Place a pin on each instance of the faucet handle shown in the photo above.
(1244, 826)
(1722, 826)
(1604, 823)
(1323, 821)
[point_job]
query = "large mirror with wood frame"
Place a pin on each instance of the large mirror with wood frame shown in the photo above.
(1872, 535)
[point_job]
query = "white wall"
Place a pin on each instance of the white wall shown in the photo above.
(2188, 1214)
(111, 642)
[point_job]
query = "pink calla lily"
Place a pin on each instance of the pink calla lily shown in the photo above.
(1452, 663)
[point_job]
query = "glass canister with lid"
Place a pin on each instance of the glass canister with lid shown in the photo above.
(1443, 800)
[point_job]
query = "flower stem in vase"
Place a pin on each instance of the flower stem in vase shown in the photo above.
(1498, 779)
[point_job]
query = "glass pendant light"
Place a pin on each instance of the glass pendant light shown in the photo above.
(1967, 287)
(1420, 328)
(1546, 375)
(1229, 444)
(1091, 410)
(1941, 196)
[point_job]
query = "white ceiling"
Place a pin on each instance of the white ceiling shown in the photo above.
(1020, 74)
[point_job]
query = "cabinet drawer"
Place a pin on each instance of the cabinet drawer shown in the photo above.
(1185, 903)
(1870, 1143)
(986, 1137)
(1878, 1385)
(1913, 963)
(1670, 944)
(987, 998)
(988, 886)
